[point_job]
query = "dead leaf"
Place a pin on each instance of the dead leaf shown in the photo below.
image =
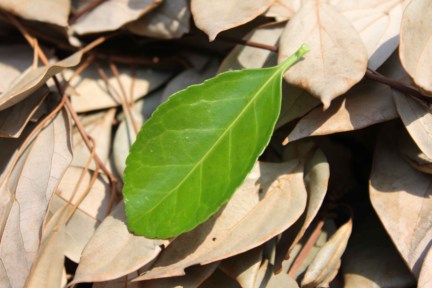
(38, 171)
(114, 252)
(12, 67)
(220, 279)
(54, 12)
(417, 119)
(14, 119)
(326, 263)
(113, 14)
(283, 198)
(269, 280)
(33, 78)
(338, 58)
(401, 196)
(378, 22)
(415, 48)
(89, 83)
(284, 9)
(99, 127)
(167, 21)
(47, 269)
(425, 279)
(244, 267)
(90, 212)
(371, 260)
(217, 16)
(410, 152)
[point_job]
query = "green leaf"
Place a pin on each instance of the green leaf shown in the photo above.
(197, 148)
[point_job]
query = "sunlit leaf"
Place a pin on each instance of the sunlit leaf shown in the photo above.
(198, 147)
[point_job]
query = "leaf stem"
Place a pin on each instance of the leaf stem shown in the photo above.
(304, 48)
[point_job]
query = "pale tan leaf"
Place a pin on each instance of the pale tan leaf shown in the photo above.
(12, 67)
(338, 58)
(33, 78)
(24, 197)
(400, 196)
(417, 119)
(269, 280)
(47, 269)
(213, 17)
(113, 14)
(366, 104)
(283, 198)
(99, 127)
(220, 279)
(378, 22)
(14, 119)
(327, 261)
(89, 214)
(114, 252)
(371, 260)
(167, 21)
(425, 279)
(415, 46)
(284, 9)
(242, 56)
(54, 12)
(410, 152)
(91, 92)
(244, 267)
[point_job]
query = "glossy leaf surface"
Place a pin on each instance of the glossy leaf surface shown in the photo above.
(198, 147)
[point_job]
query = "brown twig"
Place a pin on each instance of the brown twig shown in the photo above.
(92, 5)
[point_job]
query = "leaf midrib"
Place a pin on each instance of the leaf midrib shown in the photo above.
(211, 149)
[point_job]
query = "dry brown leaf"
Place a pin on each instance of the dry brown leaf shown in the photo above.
(326, 263)
(244, 267)
(269, 280)
(167, 21)
(54, 12)
(284, 9)
(90, 92)
(425, 279)
(366, 104)
(220, 279)
(378, 22)
(12, 67)
(113, 14)
(410, 151)
(244, 223)
(24, 198)
(213, 17)
(33, 78)
(89, 214)
(371, 260)
(401, 197)
(417, 119)
(242, 57)
(14, 119)
(114, 252)
(338, 58)
(99, 127)
(415, 48)
(47, 270)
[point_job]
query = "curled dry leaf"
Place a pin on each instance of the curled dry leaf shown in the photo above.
(371, 260)
(244, 267)
(284, 9)
(99, 127)
(213, 17)
(326, 263)
(54, 12)
(114, 252)
(410, 152)
(220, 279)
(401, 196)
(267, 279)
(47, 270)
(244, 223)
(14, 119)
(338, 58)
(91, 92)
(425, 280)
(126, 135)
(167, 21)
(33, 78)
(378, 23)
(24, 198)
(415, 46)
(12, 67)
(417, 118)
(112, 14)
(90, 212)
